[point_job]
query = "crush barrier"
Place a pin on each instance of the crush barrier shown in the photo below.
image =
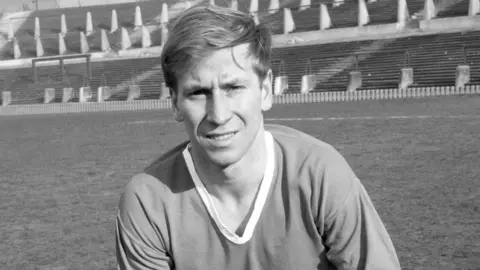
(376, 94)
(312, 97)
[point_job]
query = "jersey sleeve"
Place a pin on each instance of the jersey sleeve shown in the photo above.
(352, 230)
(139, 245)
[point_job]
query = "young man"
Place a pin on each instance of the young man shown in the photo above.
(240, 194)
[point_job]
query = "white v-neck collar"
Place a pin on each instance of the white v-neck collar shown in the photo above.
(259, 201)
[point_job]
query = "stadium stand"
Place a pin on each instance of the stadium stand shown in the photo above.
(382, 12)
(306, 18)
(76, 22)
(433, 57)
(101, 17)
(459, 9)
(119, 74)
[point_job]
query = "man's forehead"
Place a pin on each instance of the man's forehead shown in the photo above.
(223, 70)
(224, 75)
(234, 64)
(197, 80)
(227, 58)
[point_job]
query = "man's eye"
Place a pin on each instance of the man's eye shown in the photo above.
(199, 92)
(237, 87)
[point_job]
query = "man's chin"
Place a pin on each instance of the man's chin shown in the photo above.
(222, 159)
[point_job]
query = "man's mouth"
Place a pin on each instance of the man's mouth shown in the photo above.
(220, 137)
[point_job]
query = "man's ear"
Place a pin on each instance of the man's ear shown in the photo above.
(177, 114)
(267, 91)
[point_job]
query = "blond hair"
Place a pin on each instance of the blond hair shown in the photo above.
(199, 31)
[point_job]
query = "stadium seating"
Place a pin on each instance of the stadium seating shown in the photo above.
(306, 18)
(50, 22)
(434, 58)
(101, 17)
(382, 12)
(459, 9)
(345, 15)
(322, 58)
(117, 73)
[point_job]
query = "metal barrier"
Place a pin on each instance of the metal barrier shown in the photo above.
(312, 97)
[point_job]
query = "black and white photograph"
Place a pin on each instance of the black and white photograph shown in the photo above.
(240, 134)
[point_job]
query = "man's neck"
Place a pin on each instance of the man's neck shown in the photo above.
(238, 181)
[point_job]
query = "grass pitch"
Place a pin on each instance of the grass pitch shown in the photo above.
(62, 175)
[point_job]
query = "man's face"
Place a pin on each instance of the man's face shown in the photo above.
(221, 102)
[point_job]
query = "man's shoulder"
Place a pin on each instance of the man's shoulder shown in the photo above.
(166, 175)
(291, 139)
(315, 168)
(166, 160)
(307, 155)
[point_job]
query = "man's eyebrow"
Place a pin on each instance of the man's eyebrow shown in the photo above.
(195, 87)
(233, 80)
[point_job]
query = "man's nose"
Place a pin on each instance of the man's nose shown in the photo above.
(219, 111)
